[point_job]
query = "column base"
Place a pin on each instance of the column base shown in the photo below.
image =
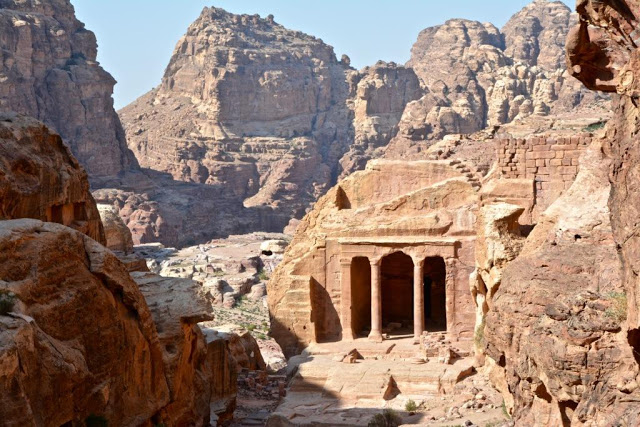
(347, 335)
(375, 336)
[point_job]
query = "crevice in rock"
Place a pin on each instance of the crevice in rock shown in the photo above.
(566, 411)
(633, 337)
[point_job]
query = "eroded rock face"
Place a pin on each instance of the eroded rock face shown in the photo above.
(177, 305)
(82, 340)
(49, 71)
(499, 241)
(478, 76)
(248, 104)
(382, 93)
(40, 178)
(556, 330)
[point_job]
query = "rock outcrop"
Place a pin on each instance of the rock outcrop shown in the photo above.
(477, 76)
(248, 104)
(49, 71)
(40, 178)
(381, 95)
(80, 340)
(555, 329)
(177, 306)
(117, 234)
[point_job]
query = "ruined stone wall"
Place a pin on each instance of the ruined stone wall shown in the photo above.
(551, 161)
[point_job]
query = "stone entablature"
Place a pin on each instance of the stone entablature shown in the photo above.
(374, 250)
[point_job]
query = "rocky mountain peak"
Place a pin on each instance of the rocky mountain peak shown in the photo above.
(49, 71)
(536, 35)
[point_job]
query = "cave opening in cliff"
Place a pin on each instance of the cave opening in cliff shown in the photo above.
(435, 295)
(360, 296)
(397, 293)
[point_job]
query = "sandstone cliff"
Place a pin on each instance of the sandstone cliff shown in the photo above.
(78, 337)
(264, 111)
(49, 71)
(81, 340)
(40, 178)
(562, 334)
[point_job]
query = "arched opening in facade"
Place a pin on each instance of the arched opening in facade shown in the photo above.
(435, 294)
(360, 296)
(397, 293)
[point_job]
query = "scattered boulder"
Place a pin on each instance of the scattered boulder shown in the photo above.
(116, 232)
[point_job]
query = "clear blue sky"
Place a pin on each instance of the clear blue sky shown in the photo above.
(136, 37)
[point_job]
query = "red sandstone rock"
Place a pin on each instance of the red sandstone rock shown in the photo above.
(478, 76)
(177, 305)
(556, 330)
(82, 341)
(118, 235)
(40, 178)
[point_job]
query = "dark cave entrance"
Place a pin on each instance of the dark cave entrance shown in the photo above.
(435, 295)
(360, 296)
(397, 293)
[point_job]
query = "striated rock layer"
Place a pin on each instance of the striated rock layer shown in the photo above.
(266, 111)
(49, 71)
(78, 337)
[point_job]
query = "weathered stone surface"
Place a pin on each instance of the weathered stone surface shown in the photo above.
(40, 178)
(49, 71)
(556, 330)
(177, 305)
(268, 112)
(381, 95)
(82, 341)
(116, 231)
(243, 347)
(498, 242)
(248, 104)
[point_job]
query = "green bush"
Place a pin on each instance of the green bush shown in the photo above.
(595, 126)
(478, 336)
(7, 301)
(262, 275)
(505, 412)
(618, 309)
(410, 406)
(251, 328)
(388, 418)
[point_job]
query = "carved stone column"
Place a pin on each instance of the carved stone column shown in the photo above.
(345, 299)
(376, 301)
(418, 299)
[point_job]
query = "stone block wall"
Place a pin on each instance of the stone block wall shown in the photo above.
(552, 162)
